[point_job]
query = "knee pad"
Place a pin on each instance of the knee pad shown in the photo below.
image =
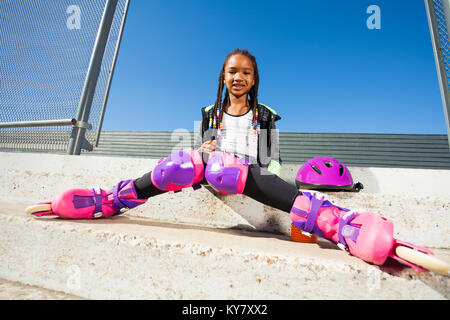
(181, 169)
(226, 173)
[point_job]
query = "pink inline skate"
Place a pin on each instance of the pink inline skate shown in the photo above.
(363, 234)
(179, 170)
(89, 203)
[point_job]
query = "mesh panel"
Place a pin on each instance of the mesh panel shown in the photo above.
(439, 11)
(43, 65)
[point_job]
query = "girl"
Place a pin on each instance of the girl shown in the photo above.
(239, 125)
(238, 154)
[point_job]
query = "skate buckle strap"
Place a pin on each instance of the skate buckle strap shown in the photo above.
(312, 215)
(98, 197)
(116, 200)
(124, 197)
(347, 230)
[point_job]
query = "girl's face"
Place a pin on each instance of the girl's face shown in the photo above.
(239, 75)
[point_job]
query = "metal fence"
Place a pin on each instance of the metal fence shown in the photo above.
(52, 62)
(438, 12)
(50, 69)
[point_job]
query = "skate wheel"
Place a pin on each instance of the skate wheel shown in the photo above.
(37, 208)
(422, 259)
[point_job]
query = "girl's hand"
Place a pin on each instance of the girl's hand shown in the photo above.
(209, 146)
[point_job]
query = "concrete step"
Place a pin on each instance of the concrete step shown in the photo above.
(417, 201)
(205, 245)
(129, 257)
(12, 290)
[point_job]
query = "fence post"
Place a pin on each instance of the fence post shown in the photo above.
(113, 66)
(77, 139)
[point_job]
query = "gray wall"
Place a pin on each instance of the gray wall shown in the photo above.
(354, 149)
(426, 151)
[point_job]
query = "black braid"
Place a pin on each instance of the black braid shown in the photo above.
(220, 104)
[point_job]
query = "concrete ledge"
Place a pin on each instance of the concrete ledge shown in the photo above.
(12, 290)
(416, 200)
(128, 257)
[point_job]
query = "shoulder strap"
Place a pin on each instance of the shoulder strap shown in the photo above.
(208, 108)
(269, 108)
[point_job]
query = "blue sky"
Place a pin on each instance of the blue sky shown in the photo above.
(320, 66)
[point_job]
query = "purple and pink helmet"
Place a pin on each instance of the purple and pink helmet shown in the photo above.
(325, 173)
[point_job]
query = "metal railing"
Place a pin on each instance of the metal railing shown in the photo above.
(57, 60)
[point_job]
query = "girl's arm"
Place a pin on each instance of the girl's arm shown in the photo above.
(275, 162)
(203, 141)
(208, 146)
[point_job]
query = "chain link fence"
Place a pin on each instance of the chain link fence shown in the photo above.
(45, 53)
(438, 12)
(440, 16)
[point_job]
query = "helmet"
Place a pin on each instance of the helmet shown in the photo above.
(325, 173)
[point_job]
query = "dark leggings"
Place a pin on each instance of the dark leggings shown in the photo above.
(261, 185)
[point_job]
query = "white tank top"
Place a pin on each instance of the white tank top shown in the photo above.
(236, 136)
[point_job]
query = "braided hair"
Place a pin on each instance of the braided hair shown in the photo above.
(220, 104)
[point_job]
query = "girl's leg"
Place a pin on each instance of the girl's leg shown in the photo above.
(145, 188)
(179, 170)
(365, 235)
(269, 189)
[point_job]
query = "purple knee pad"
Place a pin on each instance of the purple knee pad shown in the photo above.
(181, 169)
(226, 173)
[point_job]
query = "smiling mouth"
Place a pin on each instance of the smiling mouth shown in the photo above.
(238, 86)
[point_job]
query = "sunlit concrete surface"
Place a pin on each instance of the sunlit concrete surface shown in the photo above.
(201, 245)
(11, 290)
